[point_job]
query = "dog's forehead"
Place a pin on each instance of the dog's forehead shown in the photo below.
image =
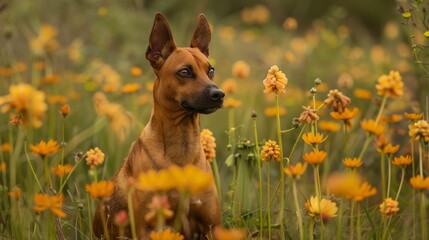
(189, 56)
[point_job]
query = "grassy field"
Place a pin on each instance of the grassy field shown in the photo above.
(330, 144)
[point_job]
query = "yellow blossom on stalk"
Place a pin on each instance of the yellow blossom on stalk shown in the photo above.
(15, 193)
(120, 121)
(394, 118)
(57, 99)
(165, 235)
(229, 86)
(413, 116)
(324, 208)
(390, 85)
(389, 149)
(406, 15)
(315, 157)
(62, 170)
(364, 191)
(2, 167)
(131, 88)
(346, 115)
(51, 79)
(402, 161)
(231, 103)
(389, 207)
(296, 171)
(275, 81)
(362, 93)
(381, 141)
(136, 71)
(65, 110)
(5, 147)
(94, 157)
(209, 144)
(371, 127)
(46, 41)
(100, 189)
(270, 150)
(352, 162)
(420, 183)
(158, 205)
(313, 139)
(221, 233)
(272, 111)
(426, 34)
(26, 101)
(419, 130)
(44, 149)
(54, 203)
(343, 185)
(329, 126)
(155, 181)
(337, 100)
(308, 116)
(241, 69)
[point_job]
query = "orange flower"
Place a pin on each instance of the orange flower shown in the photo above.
(57, 99)
(62, 170)
(270, 150)
(100, 189)
(165, 235)
(209, 144)
(136, 71)
(158, 206)
(362, 93)
(5, 147)
(346, 115)
(419, 130)
(240, 69)
(231, 103)
(313, 139)
(364, 191)
(337, 100)
(389, 207)
(352, 162)
(390, 85)
(420, 183)
(15, 193)
(413, 116)
(94, 157)
(394, 118)
(2, 167)
(54, 203)
(329, 126)
(221, 233)
(131, 88)
(372, 127)
(51, 79)
(272, 111)
(324, 208)
(402, 161)
(275, 81)
(389, 149)
(308, 116)
(290, 23)
(44, 149)
(65, 110)
(297, 170)
(315, 157)
(229, 86)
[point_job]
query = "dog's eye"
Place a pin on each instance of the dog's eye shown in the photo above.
(211, 72)
(184, 73)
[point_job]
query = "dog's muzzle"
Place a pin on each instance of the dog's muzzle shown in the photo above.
(210, 100)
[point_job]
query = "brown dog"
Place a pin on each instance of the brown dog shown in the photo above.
(182, 90)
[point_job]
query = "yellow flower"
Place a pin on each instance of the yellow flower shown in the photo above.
(346, 115)
(343, 185)
(209, 144)
(65, 110)
(15, 193)
(352, 162)
(362, 93)
(389, 207)
(2, 167)
(51, 79)
(62, 170)
(394, 118)
(221, 233)
(229, 86)
(240, 69)
(402, 161)
(406, 15)
(329, 126)
(57, 99)
(290, 23)
(313, 139)
(308, 116)
(297, 170)
(120, 121)
(315, 157)
(155, 181)
(158, 206)
(46, 41)
(44, 149)
(413, 116)
(426, 34)
(26, 101)
(364, 191)
(324, 208)
(272, 111)
(337, 100)
(100, 189)
(389, 149)
(371, 127)
(275, 81)
(270, 150)
(419, 130)
(390, 85)
(131, 88)
(54, 203)
(419, 182)
(165, 235)
(5, 147)
(94, 157)
(231, 103)
(136, 71)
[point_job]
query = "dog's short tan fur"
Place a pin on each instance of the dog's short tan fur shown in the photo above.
(182, 90)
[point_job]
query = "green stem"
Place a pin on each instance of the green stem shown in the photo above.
(68, 176)
(423, 216)
(131, 213)
(47, 175)
(282, 173)
(269, 202)
(383, 104)
(298, 210)
(311, 229)
(389, 175)
(103, 219)
(340, 220)
(62, 147)
(319, 189)
(31, 168)
(383, 177)
(89, 215)
(365, 146)
(217, 180)
(421, 159)
(346, 138)
(258, 157)
(400, 184)
(352, 220)
(359, 230)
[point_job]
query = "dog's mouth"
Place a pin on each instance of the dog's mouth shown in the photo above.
(203, 108)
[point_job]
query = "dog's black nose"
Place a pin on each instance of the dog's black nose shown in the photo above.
(216, 94)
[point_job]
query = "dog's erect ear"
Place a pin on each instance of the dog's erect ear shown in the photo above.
(202, 35)
(161, 42)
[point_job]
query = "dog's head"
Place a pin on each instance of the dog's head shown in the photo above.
(184, 75)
